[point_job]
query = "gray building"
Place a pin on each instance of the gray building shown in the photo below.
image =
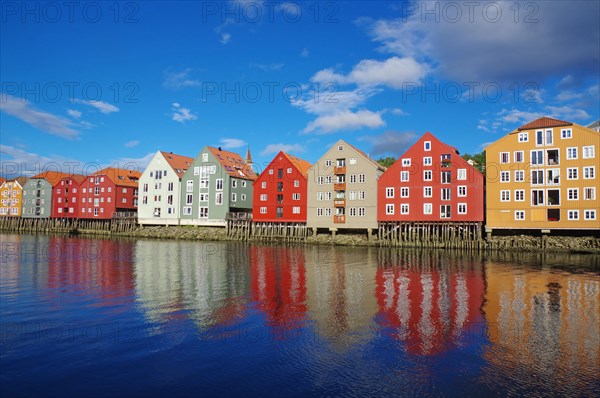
(37, 198)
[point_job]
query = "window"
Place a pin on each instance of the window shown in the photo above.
(244, 184)
(537, 177)
(361, 211)
(296, 183)
(553, 176)
(296, 210)
(427, 208)
(340, 147)
(537, 157)
(219, 184)
(404, 192)
(446, 194)
(523, 137)
(320, 180)
(389, 192)
(519, 156)
(296, 196)
(219, 198)
(462, 208)
(427, 192)
(233, 183)
(263, 197)
(504, 157)
(572, 173)
(327, 195)
(589, 214)
(95, 211)
(280, 173)
(548, 135)
(328, 180)
(462, 191)
(170, 187)
(189, 186)
(187, 210)
(566, 134)
(263, 210)
(519, 214)
(589, 173)
(519, 175)
(328, 211)
(519, 195)
(319, 212)
(571, 153)
(203, 183)
(461, 174)
(319, 195)
(328, 162)
(233, 197)
(505, 176)
(352, 160)
(589, 193)
(361, 195)
(361, 178)
(505, 195)
(263, 184)
(289, 170)
(404, 208)
(573, 215)
(352, 195)
(196, 171)
(588, 152)
(537, 197)
(427, 145)
(445, 211)
(404, 176)
(205, 157)
(389, 209)
(445, 176)
(427, 161)
(573, 194)
(203, 212)
(427, 175)
(405, 162)
(271, 171)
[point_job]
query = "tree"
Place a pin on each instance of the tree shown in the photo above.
(387, 161)
(478, 160)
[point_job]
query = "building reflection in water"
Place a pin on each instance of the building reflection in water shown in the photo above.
(428, 301)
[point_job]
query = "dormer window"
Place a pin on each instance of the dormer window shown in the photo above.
(427, 145)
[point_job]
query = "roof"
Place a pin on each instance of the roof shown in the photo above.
(54, 177)
(20, 180)
(380, 167)
(122, 177)
(544, 122)
(178, 163)
(300, 164)
(594, 125)
(233, 164)
(2, 180)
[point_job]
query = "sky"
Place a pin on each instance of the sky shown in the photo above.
(86, 85)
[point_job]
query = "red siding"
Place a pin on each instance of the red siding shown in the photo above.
(287, 190)
(65, 196)
(474, 184)
(109, 197)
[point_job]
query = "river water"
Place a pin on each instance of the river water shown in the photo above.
(102, 317)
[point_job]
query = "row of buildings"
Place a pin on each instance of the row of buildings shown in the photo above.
(540, 176)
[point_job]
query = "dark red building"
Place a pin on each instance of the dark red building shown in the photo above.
(65, 196)
(107, 192)
(431, 182)
(280, 190)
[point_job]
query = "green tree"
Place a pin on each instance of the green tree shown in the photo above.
(478, 159)
(387, 161)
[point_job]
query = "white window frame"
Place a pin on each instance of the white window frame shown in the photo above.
(572, 153)
(389, 209)
(517, 155)
(505, 195)
(571, 171)
(519, 195)
(459, 192)
(427, 192)
(461, 208)
(572, 215)
(588, 152)
(519, 215)
(389, 192)
(404, 192)
(427, 208)
(404, 208)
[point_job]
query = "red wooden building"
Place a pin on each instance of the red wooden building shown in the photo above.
(431, 182)
(280, 190)
(107, 192)
(65, 196)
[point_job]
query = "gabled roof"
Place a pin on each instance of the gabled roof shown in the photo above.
(178, 163)
(2, 180)
(544, 122)
(54, 177)
(20, 180)
(233, 164)
(300, 164)
(122, 177)
(380, 167)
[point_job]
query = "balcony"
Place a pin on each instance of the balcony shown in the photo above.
(339, 219)
(339, 186)
(339, 170)
(339, 202)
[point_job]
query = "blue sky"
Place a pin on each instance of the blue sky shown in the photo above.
(88, 84)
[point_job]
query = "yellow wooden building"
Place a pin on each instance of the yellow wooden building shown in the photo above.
(11, 197)
(544, 176)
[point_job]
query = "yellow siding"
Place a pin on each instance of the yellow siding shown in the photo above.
(501, 214)
(11, 199)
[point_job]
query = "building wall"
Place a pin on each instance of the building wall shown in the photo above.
(293, 204)
(394, 206)
(11, 196)
(317, 183)
(159, 191)
(108, 198)
(66, 199)
(502, 211)
(37, 198)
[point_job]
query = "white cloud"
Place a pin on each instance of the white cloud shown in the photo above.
(391, 142)
(138, 164)
(131, 144)
(399, 112)
(289, 148)
(331, 101)
(73, 113)
(567, 113)
(345, 120)
(181, 79)
(181, 114)
(16, 161)
(225, 38)
(232, 143)
(518, 116)
(43, 121)
(102, 106)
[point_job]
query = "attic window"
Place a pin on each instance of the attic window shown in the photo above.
(340, 147)
(187, 164)
(241, 173)
(121, 178)
(228, 168)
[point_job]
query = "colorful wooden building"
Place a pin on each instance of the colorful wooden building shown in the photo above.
(160, 186)
(342, 189)
(431, 182)
(280, 191)
(543, 176)
(219, 182)
(66, 196)
(108, 193)
(38, 193)
(11, 197)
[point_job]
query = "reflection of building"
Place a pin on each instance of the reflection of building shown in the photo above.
(543, 319)
(339, 284)
(209, 281)
(429, 305)
(279, 284)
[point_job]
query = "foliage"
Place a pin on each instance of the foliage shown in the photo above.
(387, 161)
(478, 159)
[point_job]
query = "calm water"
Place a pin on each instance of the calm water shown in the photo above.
(89, 317)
